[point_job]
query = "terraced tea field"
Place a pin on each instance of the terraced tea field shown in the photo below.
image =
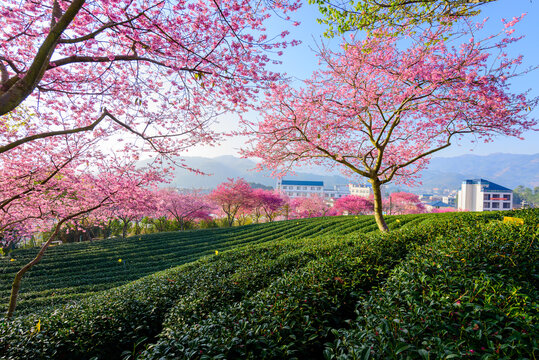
(73, 271)
(437, 286)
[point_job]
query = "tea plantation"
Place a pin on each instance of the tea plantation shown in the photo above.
(437, 287)
(75, 270)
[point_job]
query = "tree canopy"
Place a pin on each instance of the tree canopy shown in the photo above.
(380, 110)
(342, 16)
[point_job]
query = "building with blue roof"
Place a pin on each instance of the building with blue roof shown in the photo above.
(484, 195)
(302, 183)
(301, 188)
(438, 204)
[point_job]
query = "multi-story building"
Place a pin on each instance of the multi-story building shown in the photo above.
(450, 200)
(360, 190)
(338, 191)
(299, 188)
(483, 195)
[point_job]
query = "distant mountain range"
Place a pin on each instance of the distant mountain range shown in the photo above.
(227, 166)
(509, 170)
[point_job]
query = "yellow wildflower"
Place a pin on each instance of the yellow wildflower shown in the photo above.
(12, 260)
(513, 220)
(216, 252)
(119, 260)
(37, 328)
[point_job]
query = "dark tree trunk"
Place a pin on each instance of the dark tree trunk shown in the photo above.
(16, 286)
(378, 208)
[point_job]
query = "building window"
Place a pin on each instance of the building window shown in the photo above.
(506, 205)
(507, 196)
(284, 187)
(486, 205)
(495, 205)
(486, 197)
(305, 188)
(298, 187)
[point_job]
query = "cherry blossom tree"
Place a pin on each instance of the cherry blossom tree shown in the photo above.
(443, 210)
(267, 203)
(75, 74)
(353, 205)
(78, 75)
(404, 203)
(78, 194)
(185, 207)
(232, 197)
(308, 207)
(380, 109)
(161, 70)
(132, 209)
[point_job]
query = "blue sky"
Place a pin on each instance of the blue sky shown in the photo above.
(300, 61)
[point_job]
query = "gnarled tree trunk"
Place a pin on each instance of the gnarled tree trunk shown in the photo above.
(378, 206)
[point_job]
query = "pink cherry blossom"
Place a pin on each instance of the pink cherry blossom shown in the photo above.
(381, 106)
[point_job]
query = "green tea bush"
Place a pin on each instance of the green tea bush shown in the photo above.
(436, 287)
(298, 312)
(74, 271)
(469, 293)
(107, 324)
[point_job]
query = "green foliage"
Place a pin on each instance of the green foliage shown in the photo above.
(530, 196)
(72, 271)
(316, 269)
(343, 16)
(296, 313)
(436, 287)
(471, 292)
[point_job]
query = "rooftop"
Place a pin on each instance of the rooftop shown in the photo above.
(438, 204)
(302, 183)
(486, 185)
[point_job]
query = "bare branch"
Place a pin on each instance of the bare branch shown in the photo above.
(45, 135)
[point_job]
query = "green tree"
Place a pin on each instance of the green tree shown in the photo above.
(349, 15)
(523, 193)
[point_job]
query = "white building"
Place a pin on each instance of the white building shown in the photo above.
(338, 191)
(450, 200)
(298, 188)
(483, 195)
(360, 190)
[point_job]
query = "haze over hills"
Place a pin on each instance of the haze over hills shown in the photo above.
(222, 167)
(509, 170)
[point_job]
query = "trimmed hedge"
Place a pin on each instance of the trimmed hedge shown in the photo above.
(108, 324)
(471, 293)
(76, 270)
(437, 288)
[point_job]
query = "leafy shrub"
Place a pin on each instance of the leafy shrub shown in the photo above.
(312, 297)
(297, 313)
(472, 292)
(106, 324)
(76, 270)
